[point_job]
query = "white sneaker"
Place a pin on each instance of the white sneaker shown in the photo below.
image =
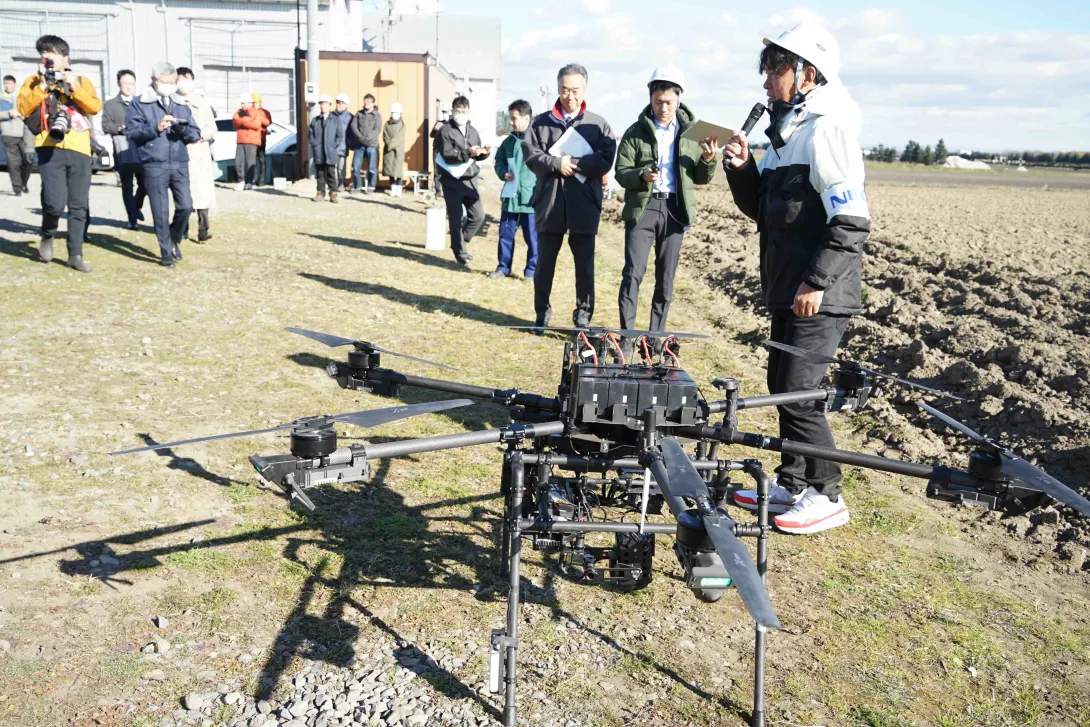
(813, 513)
(780, 498)
(241, 186)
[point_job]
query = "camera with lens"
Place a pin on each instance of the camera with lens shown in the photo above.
(58, 114)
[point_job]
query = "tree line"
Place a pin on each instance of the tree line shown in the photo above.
(913, 153)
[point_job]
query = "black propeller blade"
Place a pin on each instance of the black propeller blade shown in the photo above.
(334, 341)
(1017, 468)
(623, 332)
(820, 358)
(365, 419)
(680, 479)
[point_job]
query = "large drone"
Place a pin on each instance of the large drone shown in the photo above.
(612, 438)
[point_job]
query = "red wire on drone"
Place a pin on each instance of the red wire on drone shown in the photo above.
(646, 351)
(666, 349)
(616, 347)
(584, 339)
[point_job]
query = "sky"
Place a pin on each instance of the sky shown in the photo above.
(991, 76)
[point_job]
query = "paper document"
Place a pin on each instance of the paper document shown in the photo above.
(510, 189)
(455, 170)
(574, 145)
(705, 129)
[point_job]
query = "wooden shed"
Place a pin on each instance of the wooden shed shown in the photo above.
(417, 82)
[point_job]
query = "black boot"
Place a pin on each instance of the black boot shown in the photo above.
(177, 252)
(45, 249)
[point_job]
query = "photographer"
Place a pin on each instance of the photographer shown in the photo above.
(160, 126)
(57, 105)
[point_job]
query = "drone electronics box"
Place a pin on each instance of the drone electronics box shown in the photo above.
(616, 394)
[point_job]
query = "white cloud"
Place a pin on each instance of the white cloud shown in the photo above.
(996, 91)
(596, 7)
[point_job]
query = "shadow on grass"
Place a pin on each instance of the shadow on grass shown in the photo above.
(389, 251)
(422, 302)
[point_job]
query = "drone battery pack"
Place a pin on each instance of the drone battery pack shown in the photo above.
(616, 394)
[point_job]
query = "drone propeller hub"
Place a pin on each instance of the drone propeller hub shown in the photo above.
(362, 358)
(986, 464)
(691, 533)
(313, 442)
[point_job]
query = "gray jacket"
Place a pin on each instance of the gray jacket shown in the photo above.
(564, 204)
(9, 125)
(113, 124)
(364, 129)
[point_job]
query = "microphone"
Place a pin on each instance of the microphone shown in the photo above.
(755, 115)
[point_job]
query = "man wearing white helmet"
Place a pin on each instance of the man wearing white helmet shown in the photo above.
(658, 170)
(807, 197)
(326, 140)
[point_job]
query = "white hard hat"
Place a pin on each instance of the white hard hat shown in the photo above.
(396, 108)
(342, 97)
(324, 98)
(815, 44)
(670, 74)
(245, 98)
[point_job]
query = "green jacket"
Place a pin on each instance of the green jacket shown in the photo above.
(639, 152)
(509, 159)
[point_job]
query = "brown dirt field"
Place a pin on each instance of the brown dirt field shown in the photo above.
(998, 177)
(916, 613)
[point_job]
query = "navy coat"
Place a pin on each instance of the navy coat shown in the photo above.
(160, 148)
(326, 139)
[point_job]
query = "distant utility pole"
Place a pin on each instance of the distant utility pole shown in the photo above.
(544, 94)
(388, 22)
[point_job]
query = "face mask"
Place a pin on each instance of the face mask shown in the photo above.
(166, 89)
(461, 119)
(185, 86)
(395, 115)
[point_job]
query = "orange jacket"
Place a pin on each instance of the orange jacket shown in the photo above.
(266, 122)
(248, 128)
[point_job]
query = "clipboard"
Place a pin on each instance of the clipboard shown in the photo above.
(701, 130)
(574, 145)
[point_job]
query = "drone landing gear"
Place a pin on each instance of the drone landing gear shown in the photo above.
(633, 550)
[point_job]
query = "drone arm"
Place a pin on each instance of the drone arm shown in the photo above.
(832, 454)
(500, 396)
(387, 450)
(793, 397)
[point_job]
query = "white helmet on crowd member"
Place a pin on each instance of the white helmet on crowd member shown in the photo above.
(245, 98)
(815, 44)
(395, 107)
(668, 74)
(343, 98)
(324, 98)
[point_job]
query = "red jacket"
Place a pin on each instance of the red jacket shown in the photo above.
(266, 121)
(248, 128)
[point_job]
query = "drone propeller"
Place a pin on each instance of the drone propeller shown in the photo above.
(682, 480)
(1017, 468)
(335, 341)
(624, 332)
(365, 419)
(820, 358)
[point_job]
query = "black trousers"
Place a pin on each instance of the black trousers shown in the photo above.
(245, 162)
(582, 249)
(66, 182)
(327, 177)
(134, 201)
(259, 166)
(163, 183)
(803, 422)
(202, 225)
(659, 228)
(459, 195)
(18, 167)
